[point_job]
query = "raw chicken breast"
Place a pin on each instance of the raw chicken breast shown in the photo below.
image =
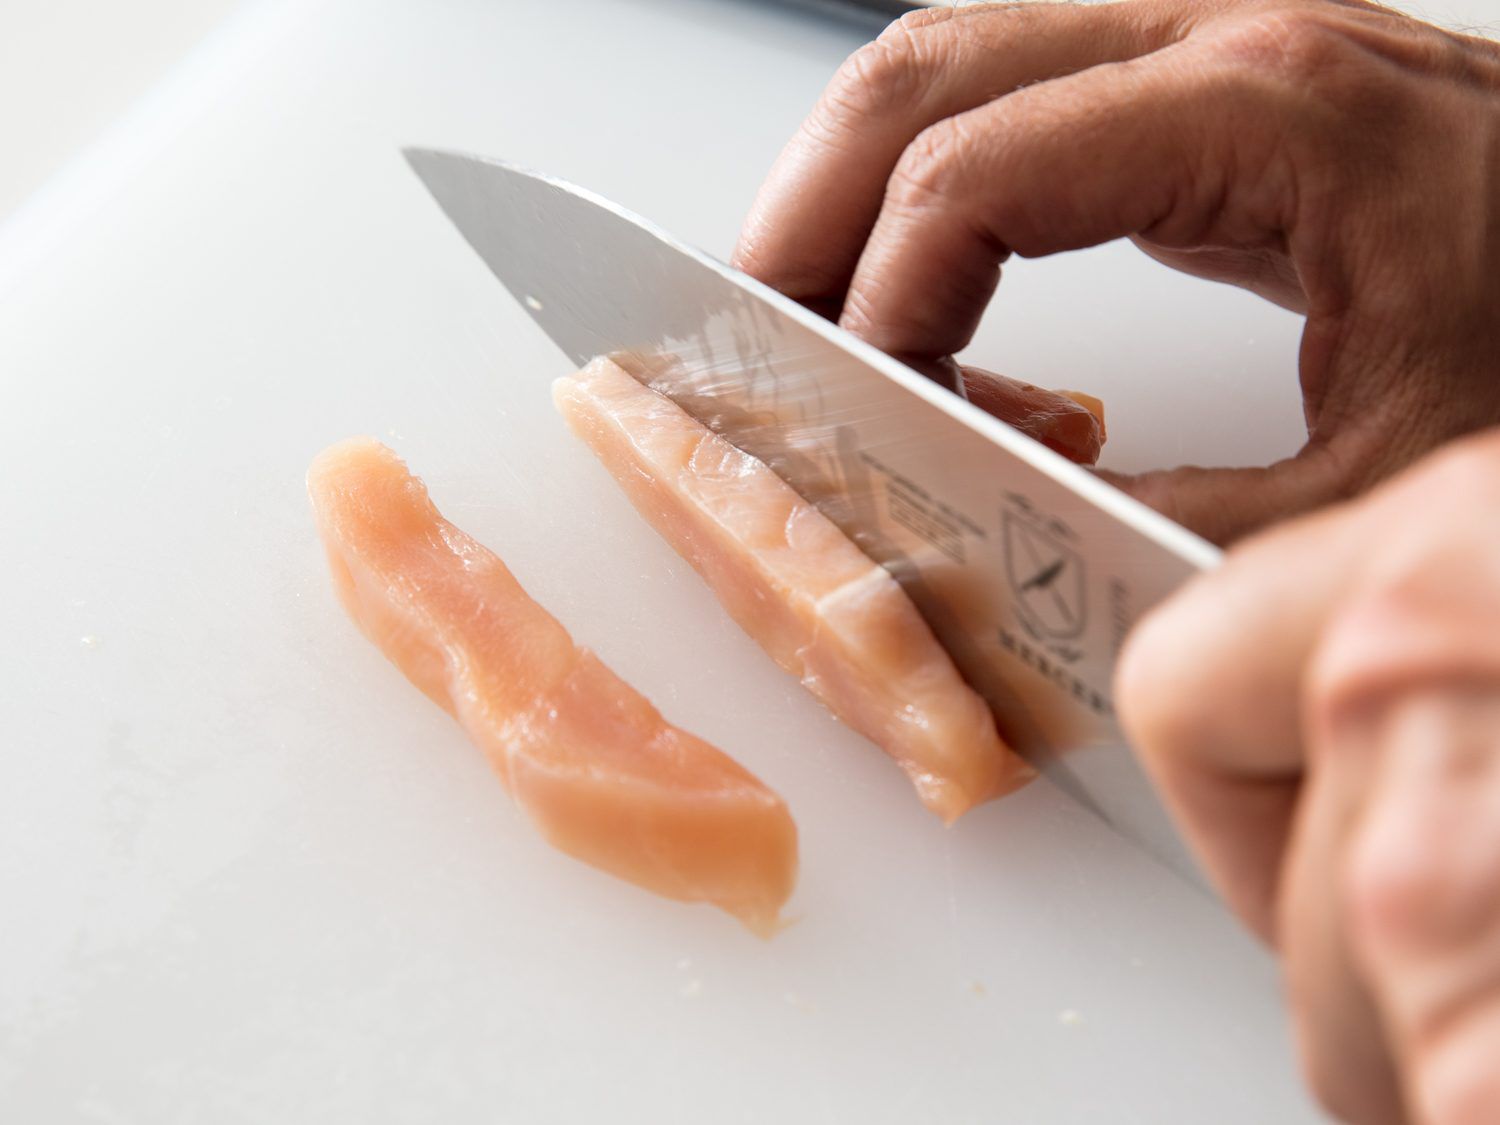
(1066, 422)
(793, 581)
(595, 766)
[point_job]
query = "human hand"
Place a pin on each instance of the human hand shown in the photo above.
(1336, 157)
(1322, 715)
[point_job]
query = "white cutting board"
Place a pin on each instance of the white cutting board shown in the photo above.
(248, 874)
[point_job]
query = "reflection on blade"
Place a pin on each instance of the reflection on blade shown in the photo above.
(1029, 568)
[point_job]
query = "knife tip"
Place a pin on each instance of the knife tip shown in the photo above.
(416, 155)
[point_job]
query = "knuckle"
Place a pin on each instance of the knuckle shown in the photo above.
(869, 316)
(1340, 54)
(1415, 886)
(1443, 559)
(1394, 895)
(928, 168)
(869, 84)
(884, 75)
(1302, 46)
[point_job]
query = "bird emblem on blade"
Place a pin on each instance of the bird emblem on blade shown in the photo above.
(1046, 578)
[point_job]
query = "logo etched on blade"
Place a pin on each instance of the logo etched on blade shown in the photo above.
(1046, 578)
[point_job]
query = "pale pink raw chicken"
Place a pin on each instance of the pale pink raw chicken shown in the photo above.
(596, 767)
(792, 580)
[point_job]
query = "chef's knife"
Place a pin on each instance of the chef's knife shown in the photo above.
(1030, 569)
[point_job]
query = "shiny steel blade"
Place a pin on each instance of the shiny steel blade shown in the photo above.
(1029, 568)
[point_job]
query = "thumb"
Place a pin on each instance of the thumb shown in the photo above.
(1224, 505)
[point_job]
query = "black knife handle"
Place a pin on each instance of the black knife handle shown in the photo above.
(871, 13)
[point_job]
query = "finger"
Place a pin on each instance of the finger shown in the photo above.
(1424, 896)
(1402, 702)
(1211, 686)
(810, 220)
(1059, 422)
(1413, 665)
(1341, 1042)
(1208, 687)
(1061, 165)
(1225, 505)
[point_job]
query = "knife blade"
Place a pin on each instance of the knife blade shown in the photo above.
(1029, 569)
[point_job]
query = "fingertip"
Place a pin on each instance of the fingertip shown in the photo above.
(745, 256)
(922, 284)
(762, 253)
(1154, 697)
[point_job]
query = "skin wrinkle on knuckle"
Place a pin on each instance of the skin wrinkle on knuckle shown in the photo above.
(1296, 44)
(1350, 111)
(1423, 47)
(764, 259)
(855, 316)
(886, 76)
(1346, 70)
(869, 84)
(835, 126)
(883, 76)
(1236, 184)
(949, 170)
(1181, 203)
(928, 171)
(859, 316)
